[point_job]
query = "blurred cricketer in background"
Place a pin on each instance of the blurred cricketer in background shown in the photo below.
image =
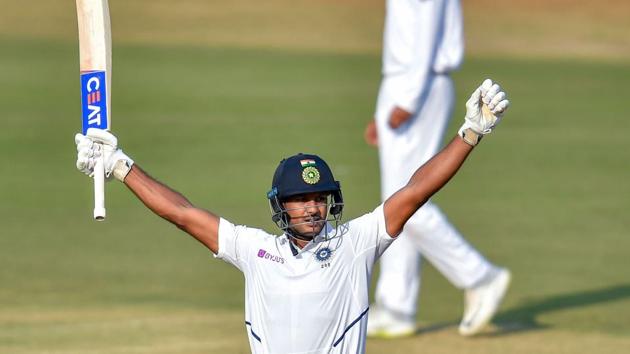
(306, 290)
(422, 44)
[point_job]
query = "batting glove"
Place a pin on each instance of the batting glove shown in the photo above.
(484, 111)
(97, 143)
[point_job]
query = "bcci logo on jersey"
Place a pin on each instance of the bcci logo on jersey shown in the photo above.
(94, 100)
(323, 254)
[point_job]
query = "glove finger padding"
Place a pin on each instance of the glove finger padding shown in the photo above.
(472, 105)
(102, 136)
(491, 93)
(485, 86)
(79, 139)
(496, 99)
(484, 110)
(99, 143)
(82, 142)
(87, 154)
(500, 108)
(85, 165)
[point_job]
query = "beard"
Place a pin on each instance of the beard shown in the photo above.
(307, 228)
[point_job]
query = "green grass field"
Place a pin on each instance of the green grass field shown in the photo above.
(546, 195)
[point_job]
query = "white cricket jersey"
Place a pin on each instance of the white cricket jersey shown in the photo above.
(421, 38)
(313, 300)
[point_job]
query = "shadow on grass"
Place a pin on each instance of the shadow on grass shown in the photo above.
(523, 318)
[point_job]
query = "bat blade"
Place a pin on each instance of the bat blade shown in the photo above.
(95, 62)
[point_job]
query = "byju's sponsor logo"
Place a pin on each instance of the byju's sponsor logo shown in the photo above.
(266, 255)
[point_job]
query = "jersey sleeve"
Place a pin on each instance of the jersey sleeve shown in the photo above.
(369, 234)
(234, 243)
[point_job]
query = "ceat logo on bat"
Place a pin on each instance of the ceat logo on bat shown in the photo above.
(94, 100)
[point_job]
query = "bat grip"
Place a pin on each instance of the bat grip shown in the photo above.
(99, 189)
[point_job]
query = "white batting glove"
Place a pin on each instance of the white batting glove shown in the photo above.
(97, 143)
(484, 111)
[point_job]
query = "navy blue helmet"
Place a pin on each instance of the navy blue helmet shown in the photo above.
(302, 174)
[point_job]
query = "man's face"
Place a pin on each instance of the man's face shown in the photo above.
(307, 213)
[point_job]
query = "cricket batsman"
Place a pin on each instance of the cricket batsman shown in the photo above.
(306, 290)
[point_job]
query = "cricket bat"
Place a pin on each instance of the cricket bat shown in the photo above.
(95, 64)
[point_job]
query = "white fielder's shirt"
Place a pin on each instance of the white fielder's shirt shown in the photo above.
(421, 38)
(313, 300)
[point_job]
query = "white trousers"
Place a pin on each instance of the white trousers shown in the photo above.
(428, 232)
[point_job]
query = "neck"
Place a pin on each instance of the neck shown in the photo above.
(299, 243)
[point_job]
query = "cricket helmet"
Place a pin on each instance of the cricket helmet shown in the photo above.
(302, 174)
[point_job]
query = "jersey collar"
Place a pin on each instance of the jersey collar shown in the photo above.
(295, 250)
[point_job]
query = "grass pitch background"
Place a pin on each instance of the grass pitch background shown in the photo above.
(208, 96)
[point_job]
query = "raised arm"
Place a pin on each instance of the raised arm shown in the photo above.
(174, 207)
(161, 199)
(484, 110)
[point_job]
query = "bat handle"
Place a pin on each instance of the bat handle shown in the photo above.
(99, 189)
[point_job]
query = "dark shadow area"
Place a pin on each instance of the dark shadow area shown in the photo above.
(523, 318)
(436, 327)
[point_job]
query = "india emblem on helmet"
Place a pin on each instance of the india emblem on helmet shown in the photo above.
(310, 175)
